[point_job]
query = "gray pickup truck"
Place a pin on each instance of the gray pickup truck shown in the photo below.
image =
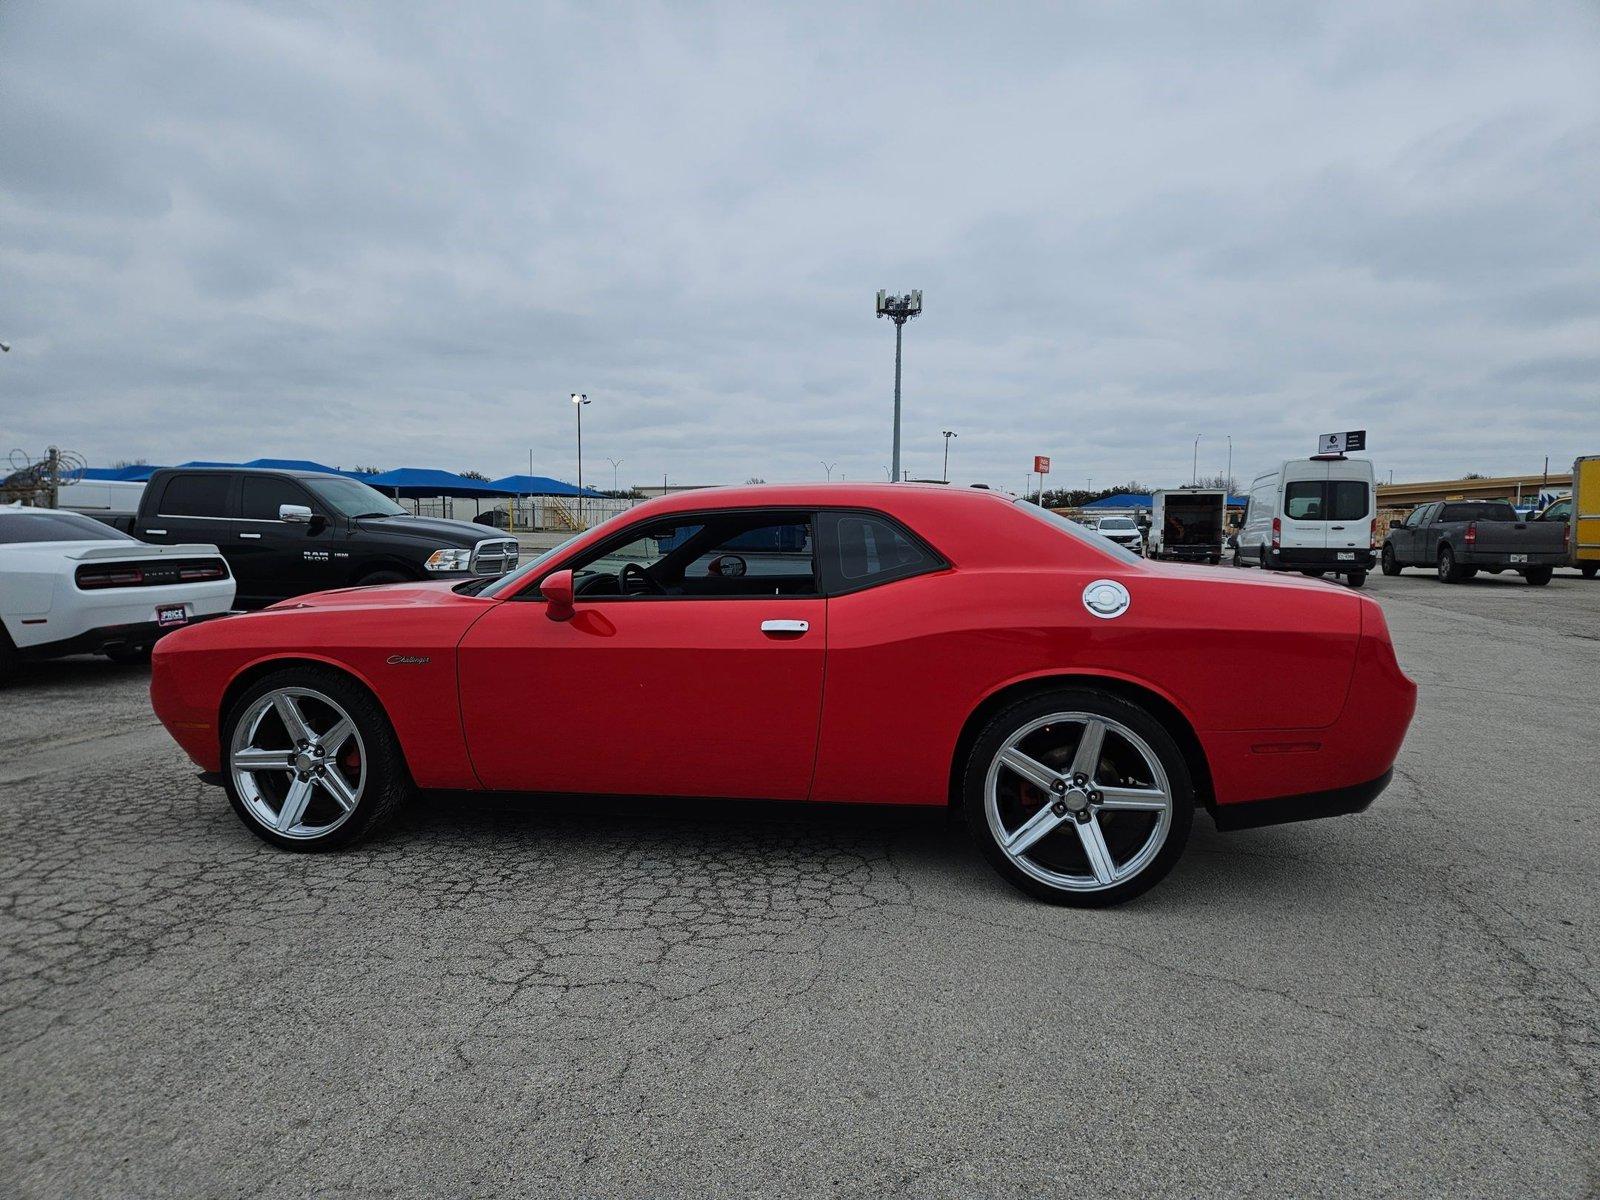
(1459, 538)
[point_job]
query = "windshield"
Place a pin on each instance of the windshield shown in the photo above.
(351, 498)
(52, 525)
(1089, 537)
(506, 584)
(1119, 523)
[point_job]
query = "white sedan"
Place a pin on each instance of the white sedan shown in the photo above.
(72, 585)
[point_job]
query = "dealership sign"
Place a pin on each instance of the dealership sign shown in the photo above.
(1342, 443)
(1041, 464)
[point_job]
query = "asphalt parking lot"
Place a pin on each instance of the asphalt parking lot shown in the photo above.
(648, 999)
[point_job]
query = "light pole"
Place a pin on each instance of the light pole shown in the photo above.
(578, 401)
(898, 309)
(948, 434)
(1227, 482)
(828, 467)
(615, 463)
(1194, 474)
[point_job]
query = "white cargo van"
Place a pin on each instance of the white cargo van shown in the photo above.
(1316, 515)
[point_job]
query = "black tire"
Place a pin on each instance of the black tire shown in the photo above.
(1449, 570)
(1590, 570)
(8, 657)
(1015, 717)
(377, 577)
(1391, 564)
(388, 781)
(1538, 576)
(128, 655)
(1356, 579)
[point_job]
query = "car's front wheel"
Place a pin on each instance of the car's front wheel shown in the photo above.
(1078, 797)
(312, 762)
(1538, 576)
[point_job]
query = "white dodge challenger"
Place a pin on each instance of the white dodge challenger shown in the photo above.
(72, 585)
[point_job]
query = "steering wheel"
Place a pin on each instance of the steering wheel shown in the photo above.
(634, 580)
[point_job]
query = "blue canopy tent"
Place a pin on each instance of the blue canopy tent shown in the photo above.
(301, 464)
(132, 473)
(542, 485)
(414, 483)
(1121, 500)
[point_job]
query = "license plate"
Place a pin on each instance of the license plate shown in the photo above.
(1519, 558)
(1351, 557)
(171, 614)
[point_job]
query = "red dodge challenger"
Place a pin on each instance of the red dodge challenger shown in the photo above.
(887, 644)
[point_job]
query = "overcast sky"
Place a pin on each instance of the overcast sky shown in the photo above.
(401, 235)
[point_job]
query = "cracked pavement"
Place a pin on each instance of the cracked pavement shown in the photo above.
(658, 998)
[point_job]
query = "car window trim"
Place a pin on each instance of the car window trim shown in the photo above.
(231, 503)
(825, 536)
(628, 533)
(305, 492)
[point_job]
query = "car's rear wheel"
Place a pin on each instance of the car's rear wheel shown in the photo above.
(128, 655)
(1449, 572)
(311, 761)
(1078, 797)
(1538, 576)
(1590, 570)
(1391, 564)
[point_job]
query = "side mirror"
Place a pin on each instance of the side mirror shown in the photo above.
(1395, 524)
(294, 514)
(558, 597)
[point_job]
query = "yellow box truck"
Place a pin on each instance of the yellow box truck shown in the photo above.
(1585, 539)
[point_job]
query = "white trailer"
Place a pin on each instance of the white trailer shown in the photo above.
(1187, 524)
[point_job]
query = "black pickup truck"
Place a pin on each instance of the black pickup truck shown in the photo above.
(1459, 538)
(286, 533)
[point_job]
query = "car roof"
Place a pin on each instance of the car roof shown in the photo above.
(887, 496)
(289, 471)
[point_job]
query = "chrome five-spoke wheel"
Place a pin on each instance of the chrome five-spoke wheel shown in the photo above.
(1079, 796)
(297, 762)
(1078, 801)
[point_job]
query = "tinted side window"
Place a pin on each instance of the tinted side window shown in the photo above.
(1302, 500)
(1347, 500)
(196, 496)
(864, 550)
(261, 495)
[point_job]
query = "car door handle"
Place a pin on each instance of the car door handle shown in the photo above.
(155, 531)
(1337, 528)
(785, 626)
(257, 536)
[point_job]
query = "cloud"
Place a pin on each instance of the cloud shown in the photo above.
(403, 234)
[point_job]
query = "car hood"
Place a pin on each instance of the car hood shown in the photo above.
(382, 595)
(463, 534)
